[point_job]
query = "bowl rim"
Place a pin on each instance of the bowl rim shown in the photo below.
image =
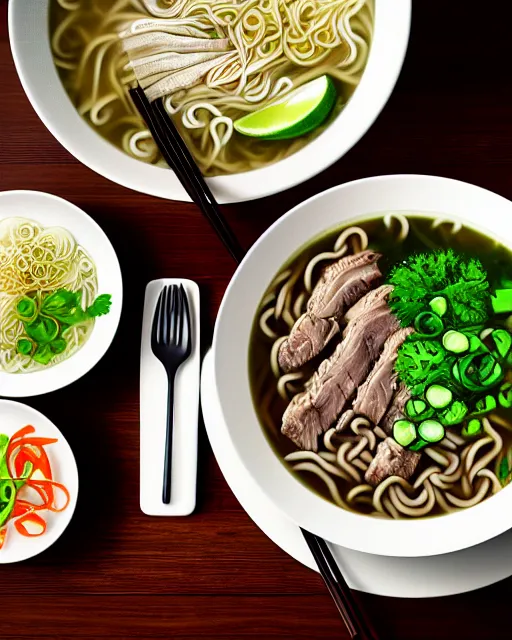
(403, 538)
(28, 25)
(22, 385)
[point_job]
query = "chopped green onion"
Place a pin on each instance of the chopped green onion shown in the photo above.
(495, 376)
(438, 396)
(428, 325)
(455, 341)
(502, 301)
(472, 428)
(419, 444)
(24, 347)
(417, 409)
(505, 395)
(431, 431)
(484, 405)
(476, 345)
(404, 432)
(439, 305)
(42, 330)
(486, 366)
(27, 309)
(454, 414)
(477, 373)
(503, 341)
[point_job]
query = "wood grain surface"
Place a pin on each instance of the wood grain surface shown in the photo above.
(116, 573)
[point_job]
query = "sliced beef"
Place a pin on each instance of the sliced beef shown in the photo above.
(396, 408)
(391, 459)
(341, 284)
(309, 335)
(374, 396)
(366, 302)
(312, 412)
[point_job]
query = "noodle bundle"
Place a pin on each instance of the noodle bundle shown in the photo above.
(213, 62)
(35, 261)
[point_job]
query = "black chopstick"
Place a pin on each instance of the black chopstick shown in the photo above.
(179, 158)
(355, 620)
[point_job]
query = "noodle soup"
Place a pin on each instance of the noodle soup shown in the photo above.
(48, 296)
(266, 50)
(380, 366)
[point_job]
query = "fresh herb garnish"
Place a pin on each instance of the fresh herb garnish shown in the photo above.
(424, 277)
(46, 319)
(452, 370)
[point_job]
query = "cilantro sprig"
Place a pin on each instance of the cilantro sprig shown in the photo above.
(422, 277)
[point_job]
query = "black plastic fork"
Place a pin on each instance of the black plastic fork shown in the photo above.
(170, 342)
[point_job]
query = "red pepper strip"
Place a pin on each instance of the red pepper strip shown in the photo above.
(23, 456)
(2, 536)
(22, 432)
(20, 524)
(39, 461)
(21, 507)
(50, 484)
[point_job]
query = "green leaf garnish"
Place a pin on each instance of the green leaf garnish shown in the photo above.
(46, 321)
(426, 276)
(101, 306)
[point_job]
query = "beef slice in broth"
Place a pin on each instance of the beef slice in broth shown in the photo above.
(391, 459)
(373, 397)
(340, 286)
(396, 409)
(308, 337)
(313, 411)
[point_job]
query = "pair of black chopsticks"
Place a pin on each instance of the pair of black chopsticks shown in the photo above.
(179, 158)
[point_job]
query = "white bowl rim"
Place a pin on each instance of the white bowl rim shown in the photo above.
(401, 538)
(28, 24)
(20, 385)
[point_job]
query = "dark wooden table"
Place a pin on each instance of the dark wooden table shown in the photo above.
(116, 573)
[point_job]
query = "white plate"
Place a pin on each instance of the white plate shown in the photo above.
(427, 577)
(49, 210)
(30, 44)
(14, 416)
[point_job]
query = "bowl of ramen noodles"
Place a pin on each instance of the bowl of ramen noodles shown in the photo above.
(60, 293)
(363, 363)
(257, 89)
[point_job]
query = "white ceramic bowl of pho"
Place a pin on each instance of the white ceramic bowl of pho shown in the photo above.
(437, 493)
(61, 293)
(32, 50)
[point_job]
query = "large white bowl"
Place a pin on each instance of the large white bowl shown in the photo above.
(51, 211)
(29, 36)
(474, 206)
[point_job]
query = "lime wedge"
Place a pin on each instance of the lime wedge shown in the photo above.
(298, 113)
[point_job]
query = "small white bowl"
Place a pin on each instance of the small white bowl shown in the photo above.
(30, 43)
(50, 211)
(14, 416)
(481, 209)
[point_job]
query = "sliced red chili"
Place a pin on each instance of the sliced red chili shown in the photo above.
(21, 525)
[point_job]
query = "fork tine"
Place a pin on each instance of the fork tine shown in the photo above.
(163, 321)
(172, 314)
(155, 328)
(185, 341)
(179, 316)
